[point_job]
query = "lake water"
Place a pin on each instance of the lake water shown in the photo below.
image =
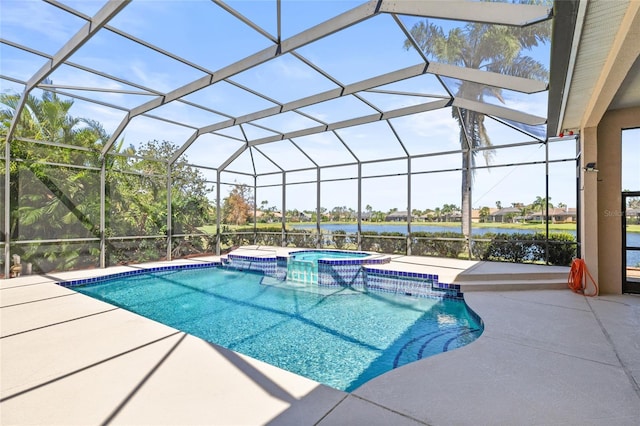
(415, 227)
(633, 238)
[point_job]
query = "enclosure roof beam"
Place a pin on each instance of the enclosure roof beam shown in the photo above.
(92, 89)
(245, 20)
(355, 121)
(519, 84)
(85, 33)
(310, 35)
(369, 83)
(232, 158)
(108, 11)
(494, 79)
(518, 15)
(499, 111)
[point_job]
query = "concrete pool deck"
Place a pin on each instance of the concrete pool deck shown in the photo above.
(546, 357)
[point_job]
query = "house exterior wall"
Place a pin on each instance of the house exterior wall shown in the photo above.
(601, 227)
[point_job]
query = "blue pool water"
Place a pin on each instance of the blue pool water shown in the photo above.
(314, 255)
(339, 337)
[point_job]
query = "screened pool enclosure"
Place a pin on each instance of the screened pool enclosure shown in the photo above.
(137, 131)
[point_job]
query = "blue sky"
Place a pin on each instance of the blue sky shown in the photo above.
(203, 33)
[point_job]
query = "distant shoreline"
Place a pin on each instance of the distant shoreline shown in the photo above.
(523, 226)
(571, 227)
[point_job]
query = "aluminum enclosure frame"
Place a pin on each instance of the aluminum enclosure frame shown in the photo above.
(490, 13)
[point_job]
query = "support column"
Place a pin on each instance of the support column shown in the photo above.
(318, 201)
(218, 212)
(169, 213)
(408, 241)
(7, 208)
(467, 199)
(283, 240)
(546, 194)
(255, 210)
(359, 235)
(589, 200)
(103, 213)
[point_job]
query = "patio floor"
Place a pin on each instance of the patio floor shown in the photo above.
(545, 357)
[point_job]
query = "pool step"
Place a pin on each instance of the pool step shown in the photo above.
(511, 284)
(496, 276)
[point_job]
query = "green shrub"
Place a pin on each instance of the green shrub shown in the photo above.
(302, 238)
(511, 248)
(271, 236)
(441, 244)
(339, 238)
(368, 241)
(561, 248)
(525, 247)
(392, 243)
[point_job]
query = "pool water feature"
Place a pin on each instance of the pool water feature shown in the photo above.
(302, 266)
(344, 269)
(337, 336)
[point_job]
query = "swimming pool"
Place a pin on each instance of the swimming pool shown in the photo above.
(340, 337)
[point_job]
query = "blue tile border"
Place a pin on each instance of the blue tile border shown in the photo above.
(331, 273)
(93, 280)
(252, 258)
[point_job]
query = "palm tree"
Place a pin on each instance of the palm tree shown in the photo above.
(540, 203)
(484, 214)
(487, 47)
(49, 202)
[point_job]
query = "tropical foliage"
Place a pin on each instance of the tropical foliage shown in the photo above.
(55, 196)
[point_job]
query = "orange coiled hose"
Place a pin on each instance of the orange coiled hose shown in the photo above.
(578, 278)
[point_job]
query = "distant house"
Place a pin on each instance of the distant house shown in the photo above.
(304, 217)
(268, 216)
(505, 215)
(633, 216)
(476, 217)
(398, 217)
(557, 215)
(454, 216)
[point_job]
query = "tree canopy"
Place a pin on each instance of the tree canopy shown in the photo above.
(55, 194)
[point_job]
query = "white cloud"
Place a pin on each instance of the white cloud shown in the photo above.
(30, 21)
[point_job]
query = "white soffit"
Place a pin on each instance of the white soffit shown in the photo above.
(595, 43)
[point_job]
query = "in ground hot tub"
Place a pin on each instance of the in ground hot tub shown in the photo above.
(330, 267)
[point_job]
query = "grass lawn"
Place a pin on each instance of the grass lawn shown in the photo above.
(211, 229)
